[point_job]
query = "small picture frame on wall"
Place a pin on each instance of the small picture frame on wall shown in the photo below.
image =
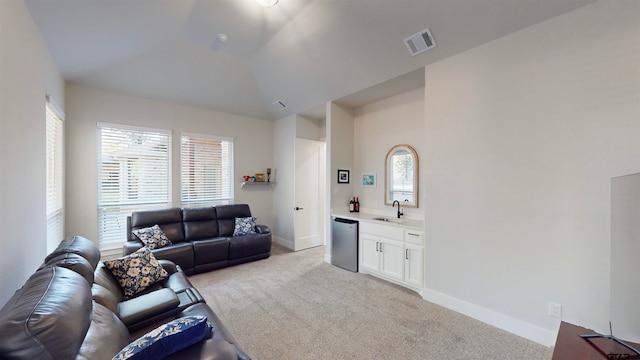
(259, 177)
(343, 176)
(369, 180)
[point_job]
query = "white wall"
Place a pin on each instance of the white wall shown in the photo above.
(523, 136)
(378, 127)
(625, 248)
(311, 129)
(284, 135)
(340, 131)
(286, 130)
(27, 73)
(253, 148)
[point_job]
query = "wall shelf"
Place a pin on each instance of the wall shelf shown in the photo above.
(257, 183)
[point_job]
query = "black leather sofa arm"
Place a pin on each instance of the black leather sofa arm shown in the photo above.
(131, 246)
(169, 266)
(263, 229)
(160, 302)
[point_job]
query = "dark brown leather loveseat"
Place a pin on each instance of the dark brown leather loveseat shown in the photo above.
(202, 238)
(73, 308)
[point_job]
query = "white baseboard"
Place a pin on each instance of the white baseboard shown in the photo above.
(284, 242)
(518, 327)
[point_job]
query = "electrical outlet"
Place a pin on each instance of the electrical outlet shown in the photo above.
(555, 310)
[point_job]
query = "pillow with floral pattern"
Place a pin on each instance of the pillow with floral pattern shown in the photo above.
(152, 237)
(245, 226)
(167, 339)
(136, 272)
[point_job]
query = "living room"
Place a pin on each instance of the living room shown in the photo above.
(518, 140)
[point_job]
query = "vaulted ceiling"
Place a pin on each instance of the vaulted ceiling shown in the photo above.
(301, 52)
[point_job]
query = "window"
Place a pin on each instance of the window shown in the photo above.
(206, 170)
(401, 176)
(54, 177)
(134, 173)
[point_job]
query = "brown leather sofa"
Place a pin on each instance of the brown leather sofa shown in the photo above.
(202, 238)
(73, 308)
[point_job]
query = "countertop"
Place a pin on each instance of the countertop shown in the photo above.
(368, 217)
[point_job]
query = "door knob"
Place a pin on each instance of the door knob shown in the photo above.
(298, 208)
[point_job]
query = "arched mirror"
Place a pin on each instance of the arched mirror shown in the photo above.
(401, 176)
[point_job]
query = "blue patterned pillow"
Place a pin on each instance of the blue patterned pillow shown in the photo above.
(245, 226)
(167, 339)
(136, 272)
(152, 237)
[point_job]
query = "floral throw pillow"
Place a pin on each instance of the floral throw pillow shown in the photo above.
(245, 226)
(136, 272)
(152, 237)
(167, 339)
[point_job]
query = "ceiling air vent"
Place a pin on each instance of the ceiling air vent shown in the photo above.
(279, 104)
(420, 42)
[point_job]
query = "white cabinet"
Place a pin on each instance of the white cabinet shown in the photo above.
(391, 263)
(369, 254)
(413, 265)
(393, 253)
(381, 255)
(414, 237)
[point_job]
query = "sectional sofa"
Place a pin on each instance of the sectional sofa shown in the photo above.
(75, 307)
(202, 239)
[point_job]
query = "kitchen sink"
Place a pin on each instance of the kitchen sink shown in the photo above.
(391, 220)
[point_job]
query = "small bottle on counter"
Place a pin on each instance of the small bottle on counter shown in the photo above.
(352, 205)
(356, 205)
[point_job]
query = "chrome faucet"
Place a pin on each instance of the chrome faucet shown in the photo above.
(394, 205)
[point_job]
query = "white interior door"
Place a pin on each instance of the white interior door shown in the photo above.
(309, 190)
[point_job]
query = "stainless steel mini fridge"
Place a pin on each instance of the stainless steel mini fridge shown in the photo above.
(344, 244)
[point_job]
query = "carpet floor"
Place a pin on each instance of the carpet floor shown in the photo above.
(295, 306)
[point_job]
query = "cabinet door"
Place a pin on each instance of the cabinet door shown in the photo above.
(369, 255)
(414, 265)
(392, 259)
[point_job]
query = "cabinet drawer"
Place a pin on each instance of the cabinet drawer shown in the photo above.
(414, 237)
(387, 231)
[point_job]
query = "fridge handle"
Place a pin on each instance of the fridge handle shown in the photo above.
(345, 221)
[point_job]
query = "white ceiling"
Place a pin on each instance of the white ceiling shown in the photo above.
(302, 52)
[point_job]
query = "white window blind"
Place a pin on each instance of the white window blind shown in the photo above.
(54, 175)
(206, 170)
(134, 173)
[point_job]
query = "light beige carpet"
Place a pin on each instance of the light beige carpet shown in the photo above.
(295, 306)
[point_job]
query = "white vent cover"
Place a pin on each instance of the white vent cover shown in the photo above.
(420, 42)
(279, 104)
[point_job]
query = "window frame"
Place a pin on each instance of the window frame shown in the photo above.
(227, 196)
(54, 173)
(121, 209)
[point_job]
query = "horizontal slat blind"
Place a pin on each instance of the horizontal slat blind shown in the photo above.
(134, 174)
(54, 178)
(206, 170)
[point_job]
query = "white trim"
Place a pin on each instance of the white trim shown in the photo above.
(284, 242)
(515, 326)
(206, 136)
(55, 107)
(132, 127)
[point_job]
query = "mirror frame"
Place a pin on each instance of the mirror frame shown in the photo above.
(416, 169)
